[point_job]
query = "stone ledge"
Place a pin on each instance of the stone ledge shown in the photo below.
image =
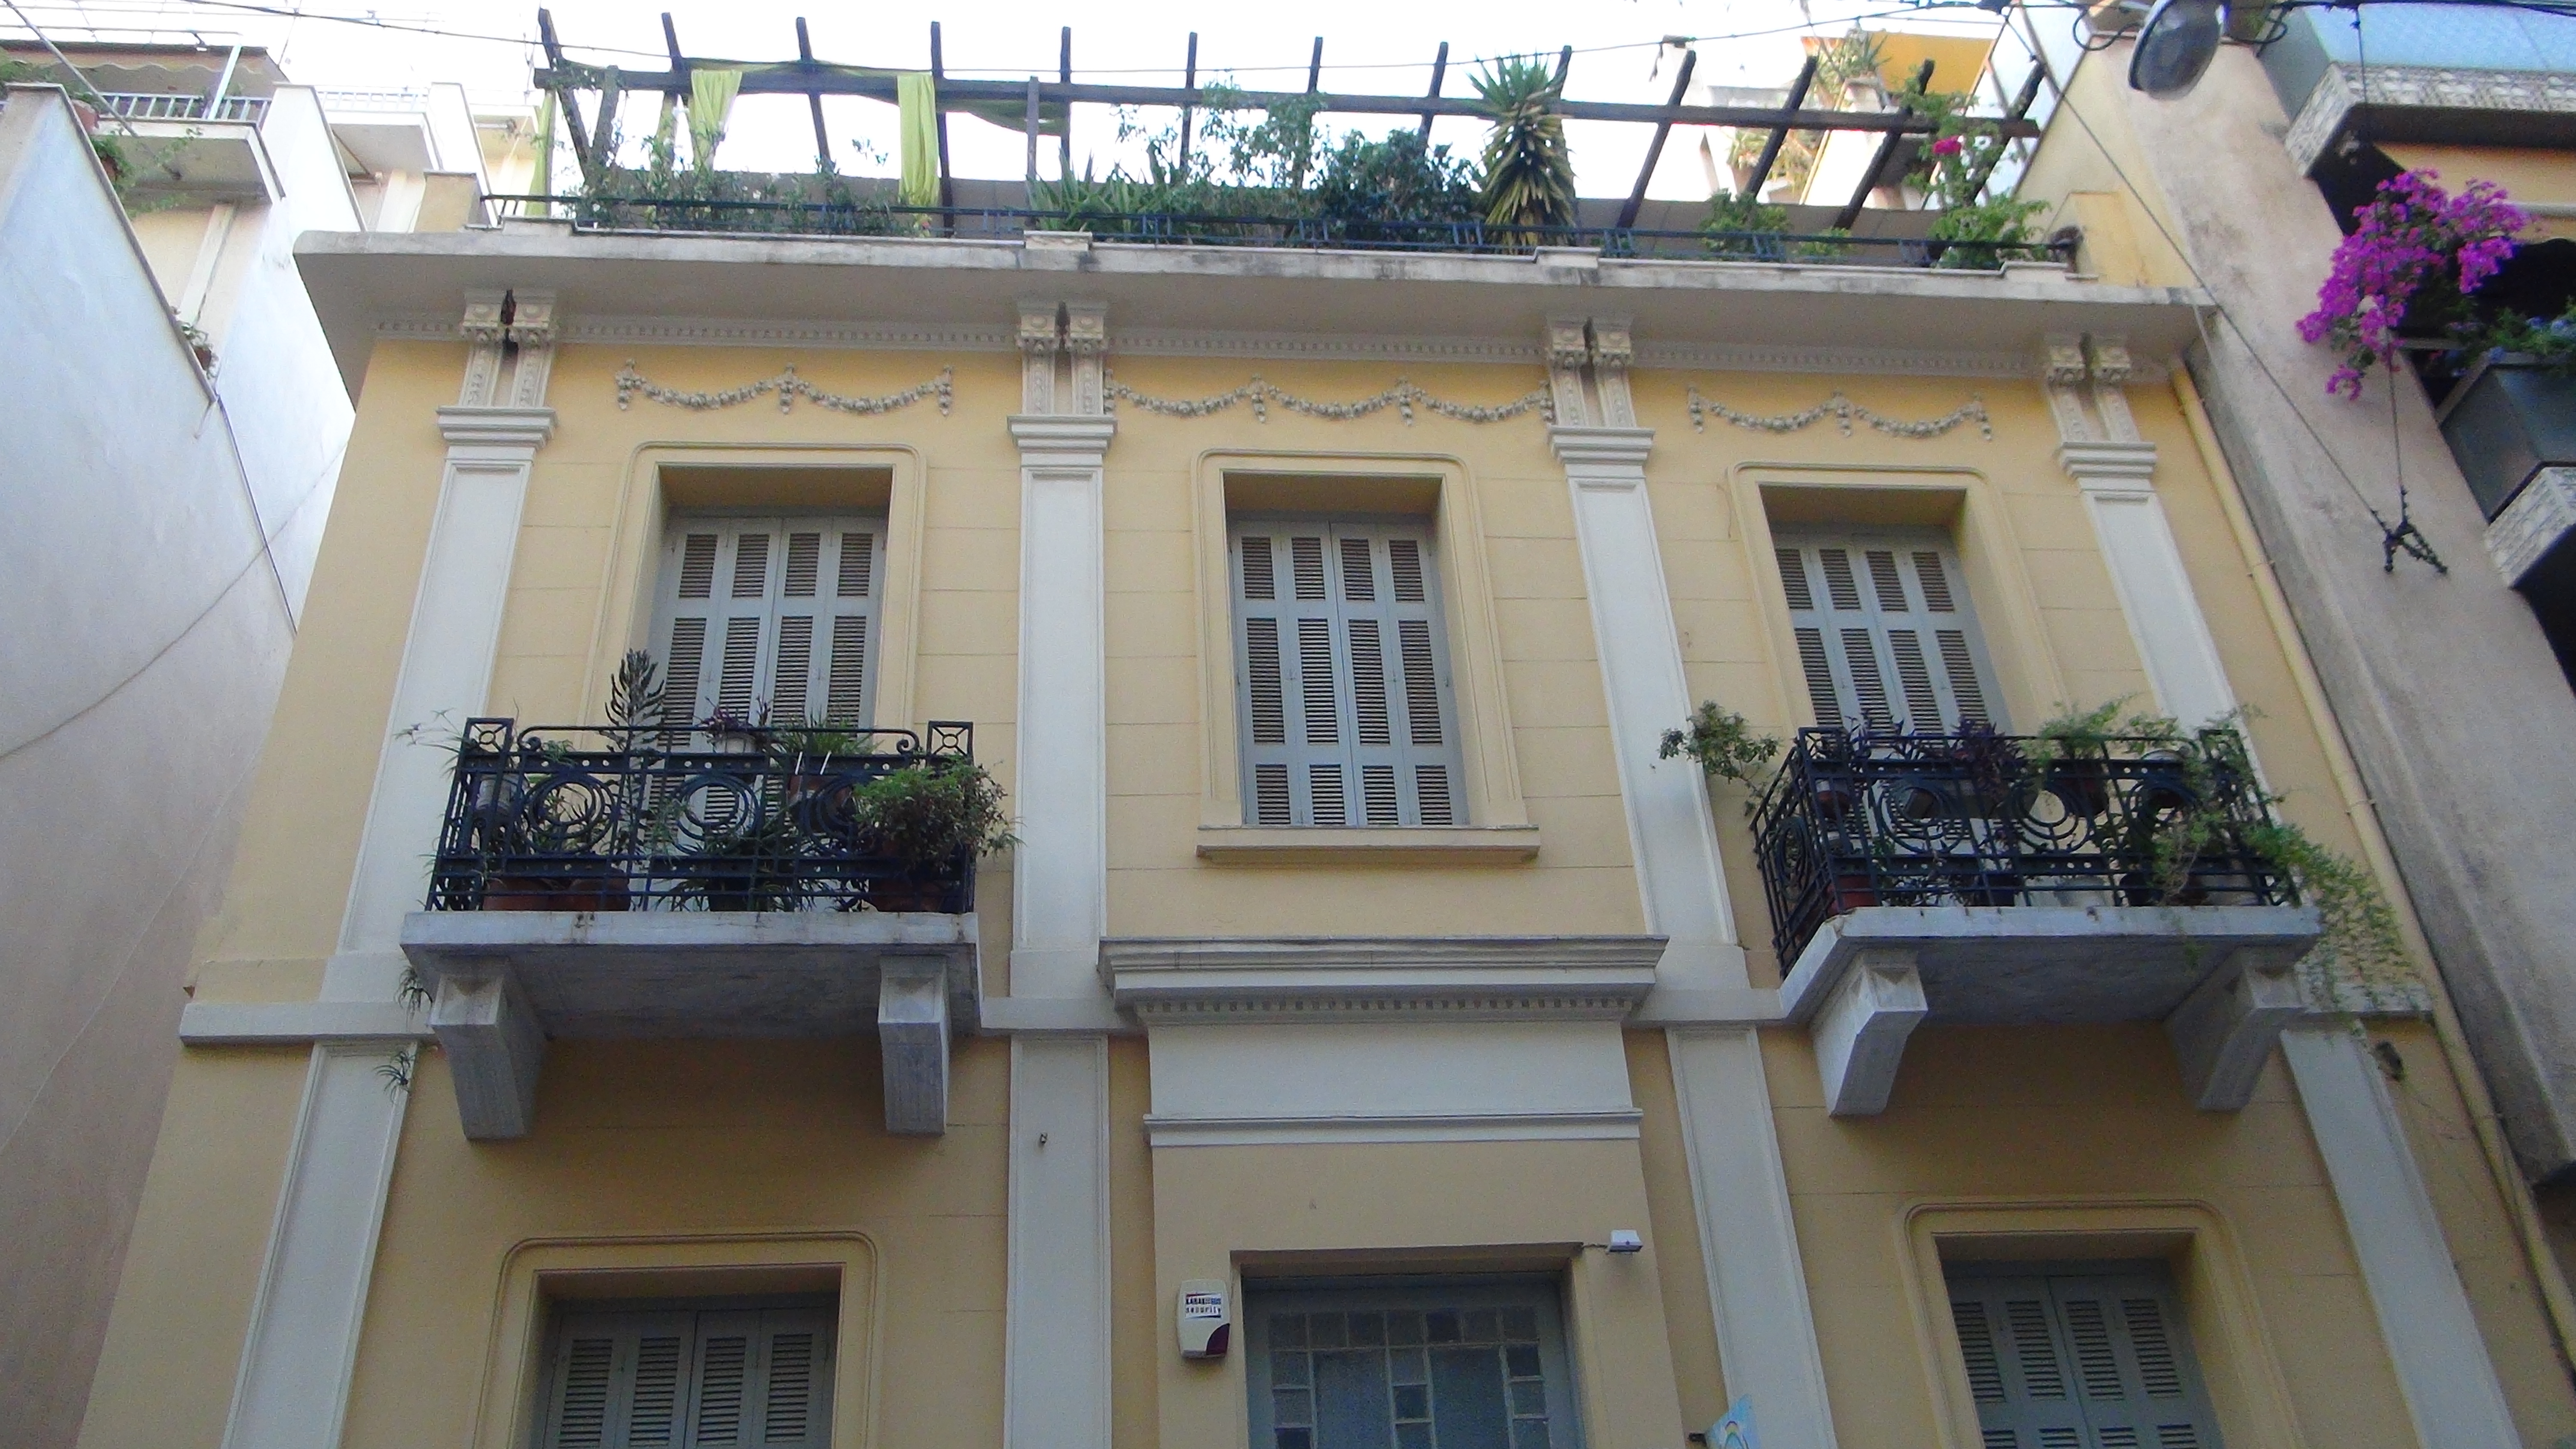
(1368, 844)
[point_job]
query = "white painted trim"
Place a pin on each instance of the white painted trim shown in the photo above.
(277, 1023)
(1452, 978)
(292, 1391)
(1757, 1287)
(1060, 873)
(1607, 1126)
(1056, 1367)
(446, 672)
(1670, 829)
(1056, 1016)
(2449, 1383)
(2164, 615)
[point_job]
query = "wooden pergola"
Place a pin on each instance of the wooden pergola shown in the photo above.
(1045, 104)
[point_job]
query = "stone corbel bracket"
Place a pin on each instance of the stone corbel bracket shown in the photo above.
(1587, 371)
(2219, 978)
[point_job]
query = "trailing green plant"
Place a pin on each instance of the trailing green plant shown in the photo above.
(1528, 178)
(2550, 342)
(930, 814)
(746, 866)
(1724, 744)
(2359, 940)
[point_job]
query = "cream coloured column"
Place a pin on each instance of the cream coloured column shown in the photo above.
(1056, 1385)
(293, 1386)
(1756, 1282)
(2442, 1365)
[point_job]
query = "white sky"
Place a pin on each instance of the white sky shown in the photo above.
(1369, 45)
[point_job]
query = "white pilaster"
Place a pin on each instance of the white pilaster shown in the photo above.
(1670, 829)
(2115, 468)
(303, 1340)
(293, 1389)
(1766, 1331)
(2442, 1365)
(1055, 1383)
(1059, 876)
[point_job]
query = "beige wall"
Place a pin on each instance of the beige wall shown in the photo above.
(641, 1141)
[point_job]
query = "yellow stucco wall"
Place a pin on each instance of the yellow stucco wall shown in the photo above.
(637, 1140)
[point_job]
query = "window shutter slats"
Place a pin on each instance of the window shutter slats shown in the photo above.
(682, 1379)
(1343, 724)
(724, 1378)
(2080, 1360)
(581, 1414)
(654, 1420)
(750, 590)
(1901, 653)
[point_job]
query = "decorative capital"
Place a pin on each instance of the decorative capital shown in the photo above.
(2110, 467)
(473, 427)
(532, 319)
(2109, 357)
(1600, 450)
(1038, 336)
(484, 309)
(1086, 330)
(1611, 344)
(2063, 364)
(1567, 346)
(1063, 440)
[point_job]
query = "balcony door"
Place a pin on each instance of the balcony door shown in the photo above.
(771, 621)
(1886, 638)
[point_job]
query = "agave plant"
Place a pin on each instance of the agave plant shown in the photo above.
(1529, 174)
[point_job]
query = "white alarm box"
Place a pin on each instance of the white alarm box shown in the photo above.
(1206, 1322)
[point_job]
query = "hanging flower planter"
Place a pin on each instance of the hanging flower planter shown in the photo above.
(2414, 257)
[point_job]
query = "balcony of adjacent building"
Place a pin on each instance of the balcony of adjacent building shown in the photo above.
(642, 882)
(1975, 878)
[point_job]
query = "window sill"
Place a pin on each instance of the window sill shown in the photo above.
(1369, 844)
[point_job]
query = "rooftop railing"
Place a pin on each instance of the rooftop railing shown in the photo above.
(1316, 233)
(142, 106)
(585, 818)
(1982, 819)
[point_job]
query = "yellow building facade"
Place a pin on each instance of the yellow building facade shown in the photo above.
(1364, 982)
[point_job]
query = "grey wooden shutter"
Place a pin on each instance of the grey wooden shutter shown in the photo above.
(1344, 694)
(1885, 636)
(2081, 1361)
(771, 620)
(754, 1378)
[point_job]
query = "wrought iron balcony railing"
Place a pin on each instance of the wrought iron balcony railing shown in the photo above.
(1983, 819)
(587, 818)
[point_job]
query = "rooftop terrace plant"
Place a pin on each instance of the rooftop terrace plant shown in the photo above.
(1528, 172)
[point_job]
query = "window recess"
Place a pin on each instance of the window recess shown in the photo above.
(771, 620)
(2090, 1356)
(680, 1376)
(1886, 639)
(1344, 687)
(1431, 1366)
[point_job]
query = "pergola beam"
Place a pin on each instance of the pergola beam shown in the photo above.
(1878, 164)
(1439, 72)
(1780, 131)
(1655, 149)
(822, 138)
(796, 78)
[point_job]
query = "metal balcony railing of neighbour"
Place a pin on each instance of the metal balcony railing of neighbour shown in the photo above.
(372, 100)
(138, 106)
(608, 818)
(789, 218)
(1983, 819)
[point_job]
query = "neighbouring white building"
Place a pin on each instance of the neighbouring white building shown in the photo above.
(169, 444)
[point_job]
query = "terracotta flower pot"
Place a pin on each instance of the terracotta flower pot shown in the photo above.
(592, 893)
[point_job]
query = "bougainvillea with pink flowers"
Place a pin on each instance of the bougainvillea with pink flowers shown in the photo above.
(2417, 247)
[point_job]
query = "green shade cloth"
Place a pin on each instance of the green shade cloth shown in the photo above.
(711, 93)
(918, 102)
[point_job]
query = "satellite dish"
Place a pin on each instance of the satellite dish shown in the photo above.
(2175, 46)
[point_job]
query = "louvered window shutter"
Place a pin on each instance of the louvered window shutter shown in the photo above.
(729, 1379)
(2081, 1361)
(1886, 639)
(1344, 665)
(771, 620)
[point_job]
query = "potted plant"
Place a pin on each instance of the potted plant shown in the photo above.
(932, 819)
(746, 866)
